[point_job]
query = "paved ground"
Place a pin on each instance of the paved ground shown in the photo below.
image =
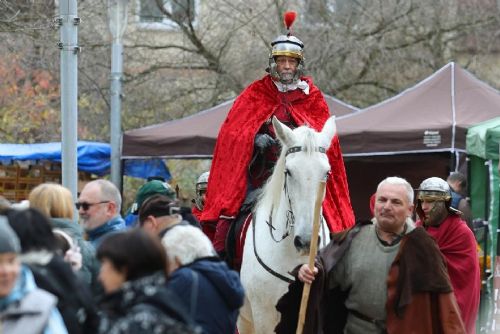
(486, 323)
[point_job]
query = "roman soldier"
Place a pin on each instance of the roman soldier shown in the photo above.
(246, 148)
(457, 243)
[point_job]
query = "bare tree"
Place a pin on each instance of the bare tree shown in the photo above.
(361, 51)
(370, 50)
(24, 16)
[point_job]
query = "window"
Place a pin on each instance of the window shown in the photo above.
(149, 11)
(182, 10)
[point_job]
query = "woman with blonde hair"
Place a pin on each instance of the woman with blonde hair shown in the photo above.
(53, 200)
(56, 202)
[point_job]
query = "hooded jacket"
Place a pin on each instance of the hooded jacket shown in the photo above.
(27, 309)
(212, 291)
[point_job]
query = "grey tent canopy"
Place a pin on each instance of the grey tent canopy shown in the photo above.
(416, 134)
(193, 136)
(432, 116)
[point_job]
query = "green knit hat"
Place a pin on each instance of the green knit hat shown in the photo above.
(149, 189)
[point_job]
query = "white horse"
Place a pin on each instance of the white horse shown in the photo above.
(279, 237)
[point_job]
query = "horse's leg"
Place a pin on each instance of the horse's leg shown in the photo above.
(268, 319)
(245, 320)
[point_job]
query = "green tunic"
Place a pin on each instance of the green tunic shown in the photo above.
(364, 269)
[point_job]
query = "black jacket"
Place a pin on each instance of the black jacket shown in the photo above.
(75, 302)
(145, 305)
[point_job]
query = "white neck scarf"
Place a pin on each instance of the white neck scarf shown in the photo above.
(304, 86)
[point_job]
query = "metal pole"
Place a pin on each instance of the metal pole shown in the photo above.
(68, 45)
(116, 95)
(117, 14)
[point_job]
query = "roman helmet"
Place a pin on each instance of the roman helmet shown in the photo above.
(201, 189)
(437, 190)
(287, 45)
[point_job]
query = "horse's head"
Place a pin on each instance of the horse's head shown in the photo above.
(305, 164)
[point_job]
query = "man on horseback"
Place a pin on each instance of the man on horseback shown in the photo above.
(246, 149)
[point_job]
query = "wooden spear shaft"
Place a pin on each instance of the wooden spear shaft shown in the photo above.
(313, 249)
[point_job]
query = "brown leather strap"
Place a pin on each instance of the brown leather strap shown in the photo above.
(377, 322)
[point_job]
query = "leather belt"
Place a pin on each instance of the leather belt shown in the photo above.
(380, 324)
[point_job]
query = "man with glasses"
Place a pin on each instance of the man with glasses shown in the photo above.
(99, 207)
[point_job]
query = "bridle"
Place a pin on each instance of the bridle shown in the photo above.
(290, 219)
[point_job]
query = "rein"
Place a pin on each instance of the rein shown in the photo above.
(265, 266)
(290, 220)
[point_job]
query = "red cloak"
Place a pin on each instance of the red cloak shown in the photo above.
(227, 184)
(458, 245)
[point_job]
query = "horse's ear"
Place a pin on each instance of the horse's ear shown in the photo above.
(329, 131)
(283, 132)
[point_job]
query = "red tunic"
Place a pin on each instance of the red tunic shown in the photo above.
(227, 185)
(207, 228)
(458, 245)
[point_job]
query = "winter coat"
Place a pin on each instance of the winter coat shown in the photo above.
(212, 292)
(114, 225)
(145, 305)
(75, 301)
(90, 264)
(29, 310)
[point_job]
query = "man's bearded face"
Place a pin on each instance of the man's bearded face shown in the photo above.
(286, 68)
(434, 211)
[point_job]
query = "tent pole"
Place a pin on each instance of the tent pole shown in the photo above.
(498, 215)
(452, 163)
(487, 196)
(498, 221)
(122, 168)
(469, 175)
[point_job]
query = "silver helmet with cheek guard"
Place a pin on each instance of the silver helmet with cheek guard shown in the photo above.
(201, 189)
(434, 189)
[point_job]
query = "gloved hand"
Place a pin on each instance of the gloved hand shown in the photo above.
(263, 140)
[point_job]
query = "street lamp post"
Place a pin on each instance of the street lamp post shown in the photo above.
(117, 14)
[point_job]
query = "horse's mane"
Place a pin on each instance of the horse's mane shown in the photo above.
(305, 137)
